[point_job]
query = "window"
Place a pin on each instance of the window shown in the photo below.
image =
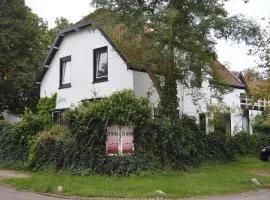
(65, 72)
(119, 140)
(202, 121)
(57, 116)
(100, 64)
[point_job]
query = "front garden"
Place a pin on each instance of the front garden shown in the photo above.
(212, 178)
(159, 154)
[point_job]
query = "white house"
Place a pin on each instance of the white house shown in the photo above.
(85, 63)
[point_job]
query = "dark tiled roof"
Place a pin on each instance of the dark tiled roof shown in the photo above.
(225, 76)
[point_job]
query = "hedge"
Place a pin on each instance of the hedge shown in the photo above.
(160, 143)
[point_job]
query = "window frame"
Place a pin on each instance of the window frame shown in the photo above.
(62, 61)
(57, 116)
(96, 52)
(202, 122)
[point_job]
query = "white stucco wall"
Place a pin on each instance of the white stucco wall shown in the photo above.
(195, 101)
(143, 87)
(80, 46)
(232, 99)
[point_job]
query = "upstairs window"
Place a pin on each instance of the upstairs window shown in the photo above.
(65, 72)
(100, 64)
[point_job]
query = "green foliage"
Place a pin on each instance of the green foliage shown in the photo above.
(179, 44)
(23, 47)
(262, 123)
(246, 144)
(49, 148)
(220, 147)
(10, 147)
(175, 145)
(84, 150)
(122, 108)
(44, 110)
(60, 24)
(16, 140)
(219, 117)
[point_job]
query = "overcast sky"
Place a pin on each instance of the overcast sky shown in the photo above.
(232, 54)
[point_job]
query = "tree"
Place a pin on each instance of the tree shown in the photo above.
(60, 24)
(23, 46)
(252, 75)
(177, 39)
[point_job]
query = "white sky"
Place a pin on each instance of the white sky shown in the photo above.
(232, 54)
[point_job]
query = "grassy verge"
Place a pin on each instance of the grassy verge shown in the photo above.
(211, 179)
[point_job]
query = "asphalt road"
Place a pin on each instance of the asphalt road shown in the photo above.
(7, 193)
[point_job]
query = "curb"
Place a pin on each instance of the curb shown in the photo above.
(79, 198)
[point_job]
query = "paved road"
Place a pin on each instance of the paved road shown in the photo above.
(261, 195)
(14, 194)
(7, 193)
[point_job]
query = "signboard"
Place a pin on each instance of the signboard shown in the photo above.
(119, 140)
(127, 140)
(112, 140)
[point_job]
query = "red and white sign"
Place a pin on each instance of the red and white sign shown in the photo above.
(119, 140)
(127, 140)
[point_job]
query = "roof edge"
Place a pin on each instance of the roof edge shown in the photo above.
(76, 27)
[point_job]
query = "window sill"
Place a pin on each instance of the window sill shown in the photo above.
(100, 80)
(68, 85)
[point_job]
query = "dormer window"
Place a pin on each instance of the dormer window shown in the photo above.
(65, 72)
(100, 64)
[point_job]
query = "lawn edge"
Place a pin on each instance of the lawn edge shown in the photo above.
(131, 198)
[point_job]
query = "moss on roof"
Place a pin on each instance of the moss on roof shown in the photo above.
(128, 44)
(130, 47)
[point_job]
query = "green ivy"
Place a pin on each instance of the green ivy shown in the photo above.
(16, 140)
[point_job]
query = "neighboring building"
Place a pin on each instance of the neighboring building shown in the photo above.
(86, 63)
(10, 117)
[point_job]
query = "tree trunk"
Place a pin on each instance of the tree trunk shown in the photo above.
(169, 100)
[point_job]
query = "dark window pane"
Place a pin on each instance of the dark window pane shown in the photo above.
(102, 65)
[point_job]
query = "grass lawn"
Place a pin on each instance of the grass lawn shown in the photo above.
(210, 179)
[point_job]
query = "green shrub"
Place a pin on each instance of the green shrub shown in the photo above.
(15, 141)
(250, 144)
(49, 148)
(262, 123)
(220, 147)
(122, 108)
(44, 110)
(10, 144)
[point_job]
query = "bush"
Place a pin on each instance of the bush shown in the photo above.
(15, 141)
(262, 123)
(11, 149)
(170, 144)
(50, 148)
(220, 147)
(122, 108)
(250, 144)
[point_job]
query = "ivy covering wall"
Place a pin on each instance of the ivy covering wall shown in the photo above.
(80, 147)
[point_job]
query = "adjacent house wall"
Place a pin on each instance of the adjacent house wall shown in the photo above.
(232, 99)
(195, 101)
(10, 117)
(143, 87)
(80, 46)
